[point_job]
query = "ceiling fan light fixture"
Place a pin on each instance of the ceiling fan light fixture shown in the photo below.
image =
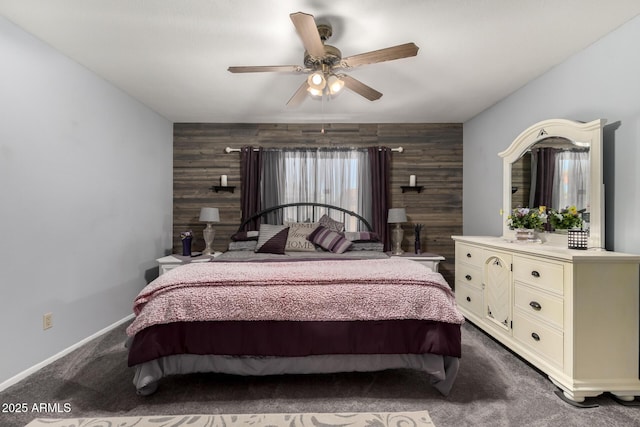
(315, 92)
(335, 84)
(317, 81)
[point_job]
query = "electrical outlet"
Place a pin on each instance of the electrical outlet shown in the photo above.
(47, 321)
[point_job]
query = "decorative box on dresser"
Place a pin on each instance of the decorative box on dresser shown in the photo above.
(573, 314)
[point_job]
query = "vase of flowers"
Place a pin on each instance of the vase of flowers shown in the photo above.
(565, 219)
(526, 222)
(187, 238)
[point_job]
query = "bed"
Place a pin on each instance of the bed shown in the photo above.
(297, 298)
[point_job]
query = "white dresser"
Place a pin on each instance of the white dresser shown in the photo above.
(573, 314)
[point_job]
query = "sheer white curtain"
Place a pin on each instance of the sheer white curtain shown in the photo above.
(338, 177)
(571, 180)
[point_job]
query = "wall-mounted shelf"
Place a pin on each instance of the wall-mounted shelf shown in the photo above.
(416, 188)
(218, 188)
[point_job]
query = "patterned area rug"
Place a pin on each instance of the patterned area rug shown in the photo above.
(360, 419)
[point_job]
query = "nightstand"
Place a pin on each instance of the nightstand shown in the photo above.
(170, 262)
(426, 258)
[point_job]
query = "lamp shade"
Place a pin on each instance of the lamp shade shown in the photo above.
(335, 84)
(209, 215)
(397, 215)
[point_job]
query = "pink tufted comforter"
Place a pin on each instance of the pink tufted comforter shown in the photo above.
(377, 289)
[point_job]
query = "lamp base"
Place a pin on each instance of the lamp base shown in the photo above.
(397, 234)
(208, 233)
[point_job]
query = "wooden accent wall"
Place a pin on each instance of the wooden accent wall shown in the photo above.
(432, 152)
(521, 180)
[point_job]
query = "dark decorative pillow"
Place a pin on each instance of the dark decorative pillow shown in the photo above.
(272, 239)
(361, 236)
(329, 240)
(242, 236)
(330, 223)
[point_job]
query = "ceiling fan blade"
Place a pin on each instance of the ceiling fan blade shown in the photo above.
(299, 96)
(267, 69)
(308, 31)
(388, 54)
(360, 88)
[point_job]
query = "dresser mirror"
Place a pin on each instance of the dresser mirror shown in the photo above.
(573, 152)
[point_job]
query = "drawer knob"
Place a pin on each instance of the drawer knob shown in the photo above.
(535, 273)
(468, 255)
(535, 305)
(535, 336)
(468, 299)
(468, 277)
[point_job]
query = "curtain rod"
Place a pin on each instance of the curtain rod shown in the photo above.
(237, 150)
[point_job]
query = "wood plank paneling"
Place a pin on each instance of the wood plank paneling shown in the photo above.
(432, 152)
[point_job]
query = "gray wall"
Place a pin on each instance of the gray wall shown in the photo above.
(85, 200)
(602, 81)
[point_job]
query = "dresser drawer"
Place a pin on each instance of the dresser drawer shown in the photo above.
(541, 339)
(539, 304)
(469, 274)
(469, 298)
(470, 255)
(545, 275)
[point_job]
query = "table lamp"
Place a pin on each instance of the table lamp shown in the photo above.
(209, 215)
(397, 216)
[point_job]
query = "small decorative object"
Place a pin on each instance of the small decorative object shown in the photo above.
(397, 216)
(526, 222)
(525, 234)
(412, 180)
(209, 215)
(187, 237)
(534, 219)
(417, 230)
(223, 180)
(565, 219)
(578, 239)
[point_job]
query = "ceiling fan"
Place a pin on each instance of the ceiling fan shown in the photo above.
(324, 63)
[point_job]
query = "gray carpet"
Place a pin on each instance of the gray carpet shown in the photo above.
(493, 388)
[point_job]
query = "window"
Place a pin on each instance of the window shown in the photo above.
(338, 177)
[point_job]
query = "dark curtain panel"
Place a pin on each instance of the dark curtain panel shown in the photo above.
(273, 184)
(545, 159)
(380, 158)
(250, 173)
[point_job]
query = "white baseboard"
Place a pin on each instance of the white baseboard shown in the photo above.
(24, 374)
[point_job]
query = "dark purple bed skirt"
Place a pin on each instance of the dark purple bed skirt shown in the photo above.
(296, 339)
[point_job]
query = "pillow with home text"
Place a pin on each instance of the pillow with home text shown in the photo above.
(297, 239)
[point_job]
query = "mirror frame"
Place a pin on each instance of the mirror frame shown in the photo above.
(590, 133)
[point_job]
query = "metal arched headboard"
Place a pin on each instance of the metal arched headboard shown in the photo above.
(313, 204)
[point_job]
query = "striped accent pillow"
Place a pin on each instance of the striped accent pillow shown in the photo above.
(330, 223)
(329, 240)
(272, 239)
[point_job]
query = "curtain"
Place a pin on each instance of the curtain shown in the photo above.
(250, 176)
(273, 184)
(571, 180)
(542, 173)
(338, 177)
(380, 159)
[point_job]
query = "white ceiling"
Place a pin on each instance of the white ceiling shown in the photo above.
(173, 55)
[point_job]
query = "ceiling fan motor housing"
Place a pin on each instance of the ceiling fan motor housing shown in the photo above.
(332, 56)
